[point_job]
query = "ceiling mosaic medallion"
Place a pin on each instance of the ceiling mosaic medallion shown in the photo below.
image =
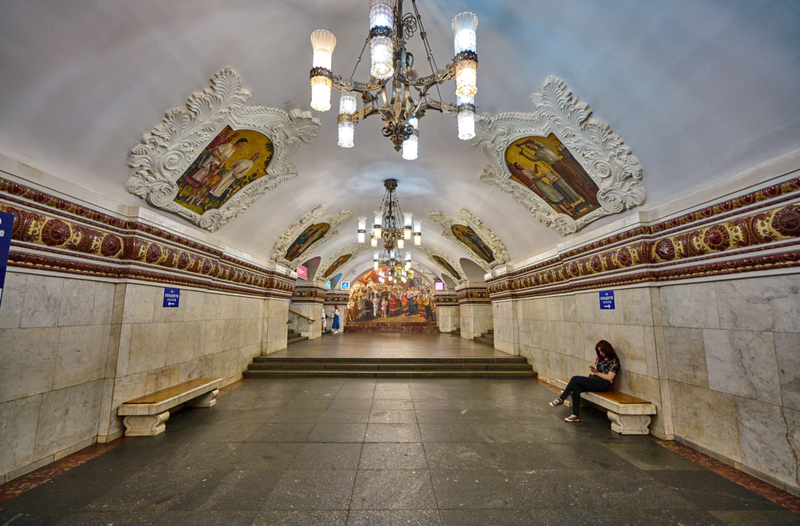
(565, 166)
(450, 267)
(303, 237)
(469, 232)
(212, 159)
(335, 262)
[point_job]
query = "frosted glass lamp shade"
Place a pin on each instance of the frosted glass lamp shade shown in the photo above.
(375, 265)
(408, 257)
(373, 242)
(400, 243)
(380, 50)
(322, 42)
(411, 148)
(321, 93)
(347, 103)
(466, 78)
(362, 237)
(347, 131)
(464, 38)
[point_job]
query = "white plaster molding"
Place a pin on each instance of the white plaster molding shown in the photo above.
(169, 149)
(601, 152)
(436, 252)
(465, 217)
(317, 215)
(346, 250)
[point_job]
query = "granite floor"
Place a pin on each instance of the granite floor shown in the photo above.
(334, 452)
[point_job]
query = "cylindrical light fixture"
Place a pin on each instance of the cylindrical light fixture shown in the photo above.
(362, 229)
(400, 243)
(373, 241)
(322, 42)
(375, 260)
(466, 118)
(417, 232)
(407, 225)
(347, 119)
(381, 32)
(376, 226)
(466, 54)
(410, 145)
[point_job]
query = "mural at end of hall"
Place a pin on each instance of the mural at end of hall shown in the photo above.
(375, 299)
(546, 167)
(234, 159)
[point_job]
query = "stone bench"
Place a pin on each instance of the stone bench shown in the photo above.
(629, 415)
(145, 416)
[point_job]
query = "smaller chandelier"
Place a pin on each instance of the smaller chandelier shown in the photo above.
(387, 227)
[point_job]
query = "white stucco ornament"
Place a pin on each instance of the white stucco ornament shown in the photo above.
(570, 168)
(186, 165)
(436, 256)
(471, 234)
(303, 237)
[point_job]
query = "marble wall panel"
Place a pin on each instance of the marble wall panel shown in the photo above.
(13, 300)
(103, 303)
(19, 420)
(223, 307)
(112, 350)
(28, 358)
(68, 416)
(190, 370)
(760, 304)
(787, 352)
(742, 363)
(212, 338)
(77, 298)
(42, 303)
(162, 314)
(231, 331)
(82, 353)
(707, 418)
(194, 304)
(593, 333)
(770, 439)
(629, 342)
(554, 308)
(139, 303)
(685, 356)
(569, 308)
(183, 342)
(123, 351)
(636, 306)
(693, 305)
(104, 420)
(162, 378)
(538, 309)
(147, 347)
(585, 305)
(250, 331)
(613, 316)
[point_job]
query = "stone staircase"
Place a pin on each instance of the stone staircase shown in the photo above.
(294, 337)
(505, 367)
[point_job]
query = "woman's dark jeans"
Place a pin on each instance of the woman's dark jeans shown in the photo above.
(579, 384)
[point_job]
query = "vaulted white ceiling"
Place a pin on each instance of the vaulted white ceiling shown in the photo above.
(699, 89)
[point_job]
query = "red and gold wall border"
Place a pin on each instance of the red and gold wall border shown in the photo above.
(337, 297)
(755, 232)
(56, 235)
(445, 298)
(473, 296)
(309, 294)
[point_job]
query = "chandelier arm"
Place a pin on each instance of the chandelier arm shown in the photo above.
(428, 51)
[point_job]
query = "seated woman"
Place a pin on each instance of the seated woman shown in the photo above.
(603, 372)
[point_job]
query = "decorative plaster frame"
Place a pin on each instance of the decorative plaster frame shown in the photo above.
(317, 215)
(436, 252)
(486, 234)
(601, 152)
(169, 149)
(346, 250)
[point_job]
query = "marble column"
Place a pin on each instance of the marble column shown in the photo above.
(448, 313)
(305, 309)
(337, 299)
(475, 309)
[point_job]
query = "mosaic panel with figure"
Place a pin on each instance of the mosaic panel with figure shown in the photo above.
(375, 299)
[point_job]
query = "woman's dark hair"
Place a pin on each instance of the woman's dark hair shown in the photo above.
(607, 349)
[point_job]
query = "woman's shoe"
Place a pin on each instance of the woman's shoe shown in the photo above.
(573, 418)
(557, 402)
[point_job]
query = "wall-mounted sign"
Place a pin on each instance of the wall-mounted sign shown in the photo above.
(302, 272)
(345, 285)
(172, 297)
(607, 300)
(438, 285)
(6, 226)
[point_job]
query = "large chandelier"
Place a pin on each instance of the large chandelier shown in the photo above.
(394, 89)
(387, 226)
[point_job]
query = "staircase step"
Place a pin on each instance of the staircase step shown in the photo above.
(388, 367)
(392, 374)
(465, 359)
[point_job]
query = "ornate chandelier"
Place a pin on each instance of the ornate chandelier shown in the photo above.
(394, 89)
(387, 224)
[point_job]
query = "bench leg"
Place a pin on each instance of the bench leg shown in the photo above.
(145, 426)
(629, 424)
(205, 400)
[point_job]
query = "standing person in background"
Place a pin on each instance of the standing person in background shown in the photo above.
(335, 324)
(324, 320)
(600, 380)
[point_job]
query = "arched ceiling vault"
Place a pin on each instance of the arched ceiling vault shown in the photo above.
(700, 90)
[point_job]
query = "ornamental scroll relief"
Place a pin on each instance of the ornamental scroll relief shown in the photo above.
(303, 237)
(565, 166)
(452, 270)
(212, 159)
(469, 232)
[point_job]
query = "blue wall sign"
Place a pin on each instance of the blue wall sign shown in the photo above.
(345, 285)
(6, 226)
(172, 297)
(607, 300)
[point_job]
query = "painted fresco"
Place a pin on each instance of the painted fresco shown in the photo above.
(546, 167)
(445, 265)
(234, 159)
(341, 260)
(376, 300)
(308, 237)
(467, 235)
